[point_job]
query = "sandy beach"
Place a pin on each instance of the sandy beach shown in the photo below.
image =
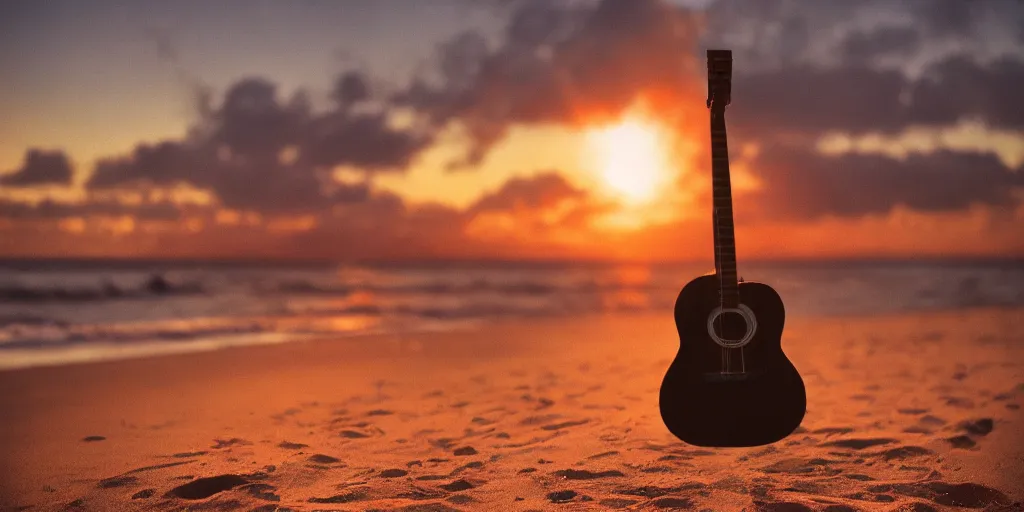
(910, 413)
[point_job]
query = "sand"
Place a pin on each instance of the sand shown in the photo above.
(914, 412)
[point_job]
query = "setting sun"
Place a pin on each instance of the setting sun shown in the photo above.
(631, 158)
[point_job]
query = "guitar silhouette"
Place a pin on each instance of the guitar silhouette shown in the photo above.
(730, 384)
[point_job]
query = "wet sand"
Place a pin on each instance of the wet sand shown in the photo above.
(910, 413)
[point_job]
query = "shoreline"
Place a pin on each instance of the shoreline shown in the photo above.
(168, 349)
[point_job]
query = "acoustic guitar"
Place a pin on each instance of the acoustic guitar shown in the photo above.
(730, 383)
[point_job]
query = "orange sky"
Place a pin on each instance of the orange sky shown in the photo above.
(553, 153)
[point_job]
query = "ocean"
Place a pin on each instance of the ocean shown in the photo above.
(61, 312)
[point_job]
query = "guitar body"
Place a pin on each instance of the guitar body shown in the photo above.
(716, 396)
(730, 384)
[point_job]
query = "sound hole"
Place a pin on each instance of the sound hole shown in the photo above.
(730, 326)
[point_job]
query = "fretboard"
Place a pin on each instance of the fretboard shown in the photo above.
(721, 190)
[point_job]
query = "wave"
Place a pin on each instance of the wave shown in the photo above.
(155, 286)
(524, 288)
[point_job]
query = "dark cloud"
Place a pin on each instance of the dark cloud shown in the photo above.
(40, 167)
(255, 152)
(968, 20)
(351, 87)
(808, 99)
(165, 163)
(49, 209)
(804, 66)
(861, 48)
(254, 124)
(859, 99)
(805, 185)
(780, 33)
(363, 141)
(960, 88)
(533, 193)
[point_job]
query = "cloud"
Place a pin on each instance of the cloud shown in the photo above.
(49, 209)
(881, 66)
(960, 88)
(801, 184)
(858, 99)
(255, 152)
(40, 167)
(537, 192)
(812, 100)
(864, 47)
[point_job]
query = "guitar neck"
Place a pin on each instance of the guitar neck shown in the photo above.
(721, 191)
(719, 76)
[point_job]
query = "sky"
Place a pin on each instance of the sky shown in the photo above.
(508, 129)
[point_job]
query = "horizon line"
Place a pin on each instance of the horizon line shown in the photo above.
(283, 261)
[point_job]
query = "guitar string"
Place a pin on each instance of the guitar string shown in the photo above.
(721, 304)
(718, 250)
(726, 352)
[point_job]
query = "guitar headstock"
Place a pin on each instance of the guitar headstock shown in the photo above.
(719, 78)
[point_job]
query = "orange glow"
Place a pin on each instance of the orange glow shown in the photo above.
(72, 224)
(632, 157)
(292, 224)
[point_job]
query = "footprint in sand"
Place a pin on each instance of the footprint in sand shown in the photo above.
(565, 424)
(465, 450)
(904, 452)
(650, 491)
(117, 481)
(832, 430)
(261, 491)
(457, 486)
(224, 443)
(981, 427)
(353, 434)
(187, 455)
(206, 487)
(349, 497)
(963, 442)
(144, 494)
(420, 493)
(561, 496)
(917, 430)
(324, 459)
(471, 465)
(577, 474)
(959, 402)
(859, 444)
(913, 412)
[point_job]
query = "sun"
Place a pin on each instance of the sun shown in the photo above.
(631, 158)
